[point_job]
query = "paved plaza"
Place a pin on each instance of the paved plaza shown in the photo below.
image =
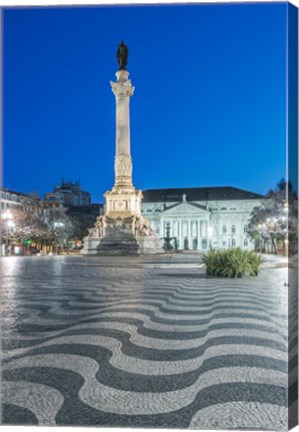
(142, 342)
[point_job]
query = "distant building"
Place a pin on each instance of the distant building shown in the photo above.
(69, 194)
(201, 218)
(15, 200)
(12, 200)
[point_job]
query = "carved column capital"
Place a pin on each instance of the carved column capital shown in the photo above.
(121, 89)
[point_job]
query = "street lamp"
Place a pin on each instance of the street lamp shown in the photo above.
(59, 226)
(7, 215)
(8, 218)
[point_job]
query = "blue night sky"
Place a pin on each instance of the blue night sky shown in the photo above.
(208, 109)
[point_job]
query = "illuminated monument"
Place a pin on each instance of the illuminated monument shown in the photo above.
(122, 230)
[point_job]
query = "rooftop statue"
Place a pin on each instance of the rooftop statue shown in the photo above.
(122, 55)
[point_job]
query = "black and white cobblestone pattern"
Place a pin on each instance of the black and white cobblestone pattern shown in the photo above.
(144, 343)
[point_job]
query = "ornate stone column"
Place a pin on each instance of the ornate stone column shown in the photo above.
(123, 90)
(122, 230)
(123, 200)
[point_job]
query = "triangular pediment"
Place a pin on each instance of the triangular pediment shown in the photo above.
(185, 208)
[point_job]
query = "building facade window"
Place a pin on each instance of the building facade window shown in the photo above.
(224, 229)
(245, 229)
(233, 243)
(233, 229)
(245, 242)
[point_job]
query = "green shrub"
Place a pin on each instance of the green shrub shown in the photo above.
(233, 262)
(255, 263)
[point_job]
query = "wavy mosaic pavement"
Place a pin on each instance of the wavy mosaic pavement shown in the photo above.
(144, 343)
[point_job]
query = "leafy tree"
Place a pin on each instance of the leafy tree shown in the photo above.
(276, 218)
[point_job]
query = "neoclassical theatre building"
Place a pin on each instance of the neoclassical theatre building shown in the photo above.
(201, 218)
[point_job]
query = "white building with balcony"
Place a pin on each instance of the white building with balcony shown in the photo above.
(12, 200)
(16, 200)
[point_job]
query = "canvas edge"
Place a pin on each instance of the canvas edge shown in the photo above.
(292, 177)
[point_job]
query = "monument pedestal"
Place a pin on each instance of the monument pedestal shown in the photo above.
(123, 202)
(120, 235)
(122, 231)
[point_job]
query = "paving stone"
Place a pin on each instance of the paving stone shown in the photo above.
(143, 342)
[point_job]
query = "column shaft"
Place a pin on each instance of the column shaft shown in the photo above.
(123, 90)
(122, 126)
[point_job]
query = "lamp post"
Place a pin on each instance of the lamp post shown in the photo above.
(8, 219)
(58, 226)
(286, 208)
(285, 220)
